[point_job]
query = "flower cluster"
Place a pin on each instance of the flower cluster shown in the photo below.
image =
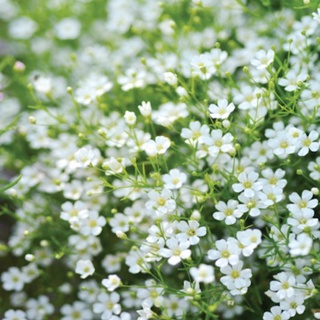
(158, 163)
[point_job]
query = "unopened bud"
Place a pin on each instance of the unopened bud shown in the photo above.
(32, 120)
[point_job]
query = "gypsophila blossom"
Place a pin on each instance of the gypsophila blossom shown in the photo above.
(222, 110)
(112, 282)
(14, 315)
(159, 160)
(85, 268)
(263, 59)
(202, 274)
(276, 313)
(176, 251)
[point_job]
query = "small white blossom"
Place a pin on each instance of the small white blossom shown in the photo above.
(112, 282)
(130, 118)
(202, 274)
(85, 268)
(222, 110)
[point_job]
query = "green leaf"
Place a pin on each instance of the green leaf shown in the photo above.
(11, 184)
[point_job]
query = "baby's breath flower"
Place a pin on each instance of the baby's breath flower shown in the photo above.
(85, 268)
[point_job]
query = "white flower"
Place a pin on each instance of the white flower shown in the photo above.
(248, 183)
(145, 313)
(85, 268)
(236, 279)
(162, 202)
(222, 110)
(300, 246)
(251, 204)
(305, 203)
(273, 179)
(136, 261)
(152, 294)
(170, 78)
(174, 179)
(22, 28)
(113, 166)
(13, 279)
(218, 56)
(190, 231)
(294, 305)
(14, 315)
(284, 287)
(38, 308)
(228, 211)
(132, 79)
(107, 305)
(112, 282)
(314, 167)
(78, 209)
(293, 80)
(68, 28)
(309, 142)
(86, 156)
(94, 85)
(281, 145)
(111, 263)
(92, 224)
(176, 251)
(190, 289)
(263, 59)
(78, 310)
(145, 109)
(270, 195)
(130, 118)
(316, 15)
(159, 146)
(42, 84)
(226, 252)
(195, 133)
(276, 313)
(202, 274)
(203, 66)
(249, 239)
(217, 142)
(119, 222)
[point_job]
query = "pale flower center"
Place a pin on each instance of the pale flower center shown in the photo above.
(218, 143)
(154, 294)
(225, 254)
(175, 181)
(161, 201)
(196, 134)
(110, 305)
(302, 204)
(251, 204)
(76, 314)
(73, 213)
(247, 184)
(228, 212)
(285, 285)
(253, 239)
(307, 142)
(273, 180)
(174, 306)
(93, 223)
(271, 196)
(203, 274)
